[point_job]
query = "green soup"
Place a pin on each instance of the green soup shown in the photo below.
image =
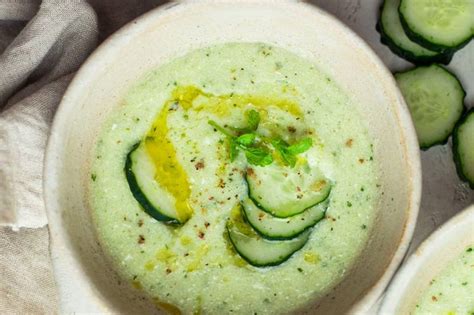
(451, 292)
(192, 268)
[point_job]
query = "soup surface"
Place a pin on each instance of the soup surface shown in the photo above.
(452, 291)
(291, 117)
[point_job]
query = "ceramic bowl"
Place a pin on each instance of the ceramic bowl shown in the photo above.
(86, 282)
(446, 243)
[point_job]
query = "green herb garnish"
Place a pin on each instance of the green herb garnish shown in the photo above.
(253, 119)
(256, 147)
(233, 149)
(246, 139)
(258, 156)
(219, 128)
(301, 146)
(282, 147)
(288, 152)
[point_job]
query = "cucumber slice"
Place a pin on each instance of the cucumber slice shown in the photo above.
(438, 25)
(393, 35)
(463, 148)
(284, 191)
(271, 227)
(259, 251)
(156, 201)
(435, 98)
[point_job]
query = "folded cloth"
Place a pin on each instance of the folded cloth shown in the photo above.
(33, 76)
(42, 44)
(36, 64)
(27, 285)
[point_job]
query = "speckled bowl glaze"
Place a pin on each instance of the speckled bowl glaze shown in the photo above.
(86, 282)
(446, 243)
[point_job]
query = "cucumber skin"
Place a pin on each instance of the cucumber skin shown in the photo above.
(443, 58)
(277, 263)
(287, 237)
(249, 194)
(445, 140)
(138, 194)
(263, 208)
(456, 157)
(420, 40)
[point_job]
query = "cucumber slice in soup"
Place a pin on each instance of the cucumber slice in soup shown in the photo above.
(271, 227)
(463, 148)
(435, 98)
(155, 201)
(259, 251)
(393, 35)
(284, 191)
(442, 25)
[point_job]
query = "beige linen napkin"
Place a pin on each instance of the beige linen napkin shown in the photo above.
(36, 61)
(42, 44)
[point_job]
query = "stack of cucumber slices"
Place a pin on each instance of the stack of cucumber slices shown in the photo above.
(276, 218)
(268, 226)
(426, 32)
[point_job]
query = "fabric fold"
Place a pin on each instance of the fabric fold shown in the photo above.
(35, 70)
(40, 59)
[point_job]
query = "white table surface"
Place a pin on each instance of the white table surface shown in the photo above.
(444, 195)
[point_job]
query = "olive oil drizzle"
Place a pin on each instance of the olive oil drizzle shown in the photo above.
(170, 174)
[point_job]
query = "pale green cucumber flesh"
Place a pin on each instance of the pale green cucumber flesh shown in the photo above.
(261, 252)
(463, 148)
(438, 25)
(154, 200)
(285, 191)
(393, 35)
(271, 227)
(435, 98)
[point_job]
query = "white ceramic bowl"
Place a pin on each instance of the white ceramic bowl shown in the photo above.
(86, 283)
(427, 261)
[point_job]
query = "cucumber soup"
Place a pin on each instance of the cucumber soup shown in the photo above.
(238, 179)
(452, 291)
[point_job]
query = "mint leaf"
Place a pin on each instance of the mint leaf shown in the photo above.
(258, 156)
(246, 139)
(288, 152)
(233, 149)
(282, 147)
(279, 144)
(233, 144)
(290, 159)
(300, 146)
(219, 128)
(253, 119)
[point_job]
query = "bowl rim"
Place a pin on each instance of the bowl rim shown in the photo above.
(423, 257)
(108, 47)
